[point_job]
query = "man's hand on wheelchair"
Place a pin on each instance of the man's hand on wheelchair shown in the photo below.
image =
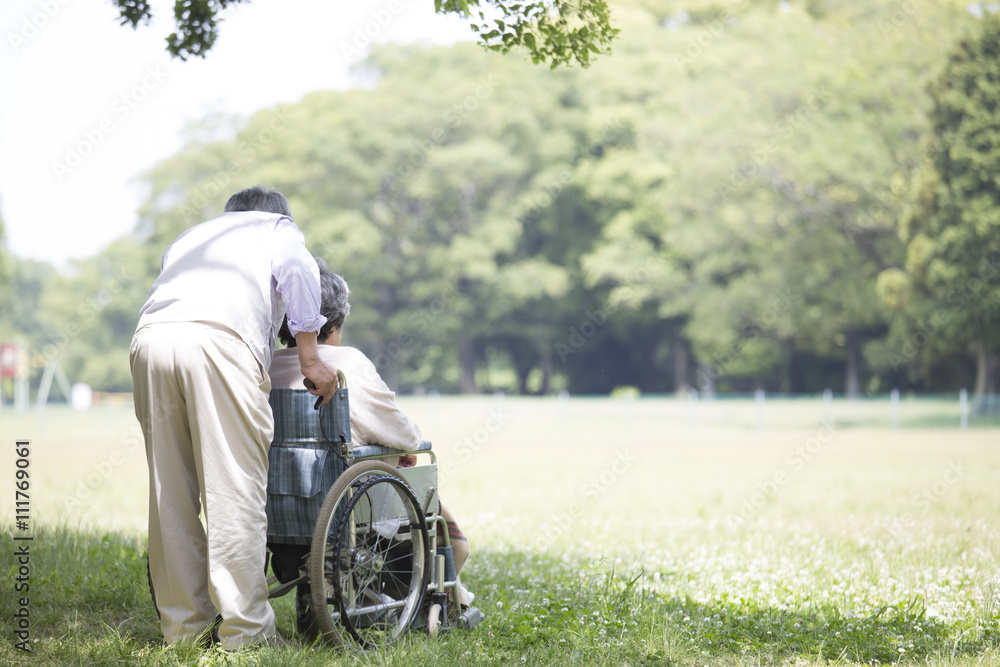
(323, 379)
(407, 461)
(322, 376)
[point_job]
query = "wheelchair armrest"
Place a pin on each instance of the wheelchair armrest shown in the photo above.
(379, 451)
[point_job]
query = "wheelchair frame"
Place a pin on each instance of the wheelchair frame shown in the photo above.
(381, 552)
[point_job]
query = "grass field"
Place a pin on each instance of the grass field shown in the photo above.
(643, 532)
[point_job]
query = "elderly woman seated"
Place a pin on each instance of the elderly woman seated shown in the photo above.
(375, 420)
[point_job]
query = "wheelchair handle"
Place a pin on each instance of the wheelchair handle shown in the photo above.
(341, 378)
(309, 384)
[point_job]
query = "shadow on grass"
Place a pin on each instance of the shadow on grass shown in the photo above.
(82, 588)
(89, 604)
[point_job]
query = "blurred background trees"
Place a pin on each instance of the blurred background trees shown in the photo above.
(788, 196)
(949, 292)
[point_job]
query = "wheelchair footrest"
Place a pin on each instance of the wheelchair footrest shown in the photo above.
(470, 618)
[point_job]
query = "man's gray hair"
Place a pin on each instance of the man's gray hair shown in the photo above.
(259, 198)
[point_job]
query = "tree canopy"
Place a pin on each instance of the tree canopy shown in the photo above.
(949, 292)
(735, 200)
(559, 32)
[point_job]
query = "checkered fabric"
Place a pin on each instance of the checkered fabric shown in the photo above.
(303, 461)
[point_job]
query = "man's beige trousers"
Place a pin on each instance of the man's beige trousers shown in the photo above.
(201, 398)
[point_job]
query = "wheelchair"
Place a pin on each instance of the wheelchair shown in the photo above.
(377, 563)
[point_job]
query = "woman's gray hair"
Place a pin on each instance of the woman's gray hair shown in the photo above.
(334, 295)
(334, 305)
(259, 198)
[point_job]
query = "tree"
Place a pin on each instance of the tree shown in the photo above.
(90, 315)
(4, 258)
(21, 285)
(951, 285)
(780, 147)
(503, 226)
(559, 32)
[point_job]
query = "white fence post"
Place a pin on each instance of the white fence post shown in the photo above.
(963, 406)
(828, 408)
(758, 397)
(692, 396)
(894, 408)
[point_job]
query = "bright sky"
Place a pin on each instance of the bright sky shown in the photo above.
(88, 105)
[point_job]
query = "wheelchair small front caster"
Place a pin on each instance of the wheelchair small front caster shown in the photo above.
(437, 614)
(434, 620)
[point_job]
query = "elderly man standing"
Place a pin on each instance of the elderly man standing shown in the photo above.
(199, 357)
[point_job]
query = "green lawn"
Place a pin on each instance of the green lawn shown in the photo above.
(655, 531)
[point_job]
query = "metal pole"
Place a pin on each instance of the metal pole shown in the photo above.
(692, 396)
(828, 408)
(758, 396)
(963, 406)
(21, 376)
(894, 403)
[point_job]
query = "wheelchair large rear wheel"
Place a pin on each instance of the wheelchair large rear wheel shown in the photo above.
(369, 560)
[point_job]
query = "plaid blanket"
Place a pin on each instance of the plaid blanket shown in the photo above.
(303, 461)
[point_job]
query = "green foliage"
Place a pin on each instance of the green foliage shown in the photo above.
(952, 297)
(90, 605)
(23, 286)
(91, 315)
(723, 205)
(560, 32)
(773, 212)
(4, 256)
(197, 23)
